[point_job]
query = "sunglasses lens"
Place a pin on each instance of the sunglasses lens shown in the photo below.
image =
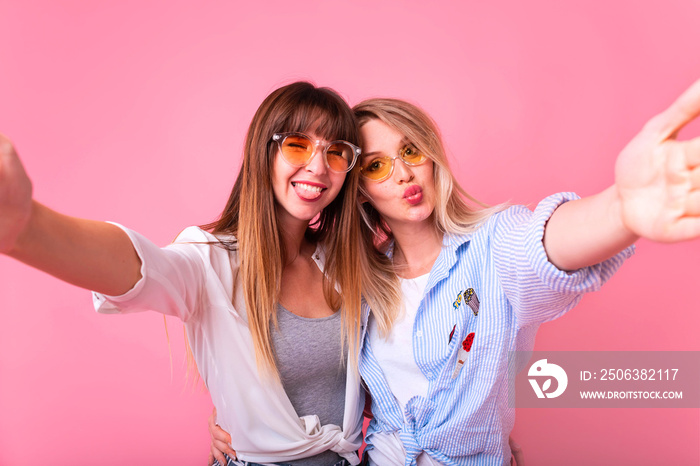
(376, 168)
(339, 156)
(297, 150)
(412, 156)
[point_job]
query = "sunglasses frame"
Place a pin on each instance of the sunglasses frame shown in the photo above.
(391, 170)
(279, 138)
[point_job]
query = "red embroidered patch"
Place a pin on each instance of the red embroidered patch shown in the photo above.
(452, 333)
(467, 343)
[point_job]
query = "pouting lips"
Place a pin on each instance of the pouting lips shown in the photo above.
(413, 194)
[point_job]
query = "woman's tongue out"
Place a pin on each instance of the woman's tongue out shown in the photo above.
(308, 191)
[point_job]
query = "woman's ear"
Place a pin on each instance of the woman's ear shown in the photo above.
(361, 196)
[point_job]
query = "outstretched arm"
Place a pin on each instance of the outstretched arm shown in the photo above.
(90, 254)
(656, 195)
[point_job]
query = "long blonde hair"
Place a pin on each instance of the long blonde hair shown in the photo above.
(456, 211)
(250, 215)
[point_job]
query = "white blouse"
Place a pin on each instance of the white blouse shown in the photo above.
(193, 278)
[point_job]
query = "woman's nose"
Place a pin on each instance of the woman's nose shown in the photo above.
(402, 172)
(317, 164)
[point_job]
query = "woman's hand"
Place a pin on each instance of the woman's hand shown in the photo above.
(15, 195)
(93, 255)
(656, 195)
(658, 177)
(516, 453)
(220, 442)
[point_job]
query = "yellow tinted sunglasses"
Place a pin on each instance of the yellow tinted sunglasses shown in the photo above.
(381, 168)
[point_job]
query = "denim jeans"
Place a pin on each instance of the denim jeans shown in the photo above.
(231, 462)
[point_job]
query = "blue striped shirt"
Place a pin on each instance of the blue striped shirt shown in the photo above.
(467, 420)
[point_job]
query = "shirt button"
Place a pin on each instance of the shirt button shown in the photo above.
(419, 333)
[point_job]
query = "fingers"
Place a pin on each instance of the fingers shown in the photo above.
(519, 458)
(517, 452)
(15, 196)
(692, 152)
(695, 178)
(219, 434)
(692, 205)
(218, 448)
(219, 456)
(212, 420)
(683, 110)
(5, 143)
(684, 229)
(220, 441)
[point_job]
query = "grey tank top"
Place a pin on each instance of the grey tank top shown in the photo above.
(308, 355)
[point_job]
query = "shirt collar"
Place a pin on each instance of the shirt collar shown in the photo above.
(447, 258)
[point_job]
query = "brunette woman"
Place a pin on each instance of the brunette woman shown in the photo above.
(269, 293)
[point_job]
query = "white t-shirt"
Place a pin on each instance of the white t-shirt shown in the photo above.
(403, 375)
(193, 279)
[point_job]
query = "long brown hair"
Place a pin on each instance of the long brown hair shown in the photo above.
(456, 211)
(250, 216)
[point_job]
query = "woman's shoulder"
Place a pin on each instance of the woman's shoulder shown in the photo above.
(214, 248)
(509, 216)
(518, 214)
(197, 236)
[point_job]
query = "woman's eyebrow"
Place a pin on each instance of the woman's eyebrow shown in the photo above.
(404, 142)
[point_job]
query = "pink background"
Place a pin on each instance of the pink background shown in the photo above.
(136, 112)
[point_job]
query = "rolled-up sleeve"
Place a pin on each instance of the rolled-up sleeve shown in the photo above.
(536, 288)
(172, 278)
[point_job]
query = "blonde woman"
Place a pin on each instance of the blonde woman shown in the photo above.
(274, 283)
(477, 282)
